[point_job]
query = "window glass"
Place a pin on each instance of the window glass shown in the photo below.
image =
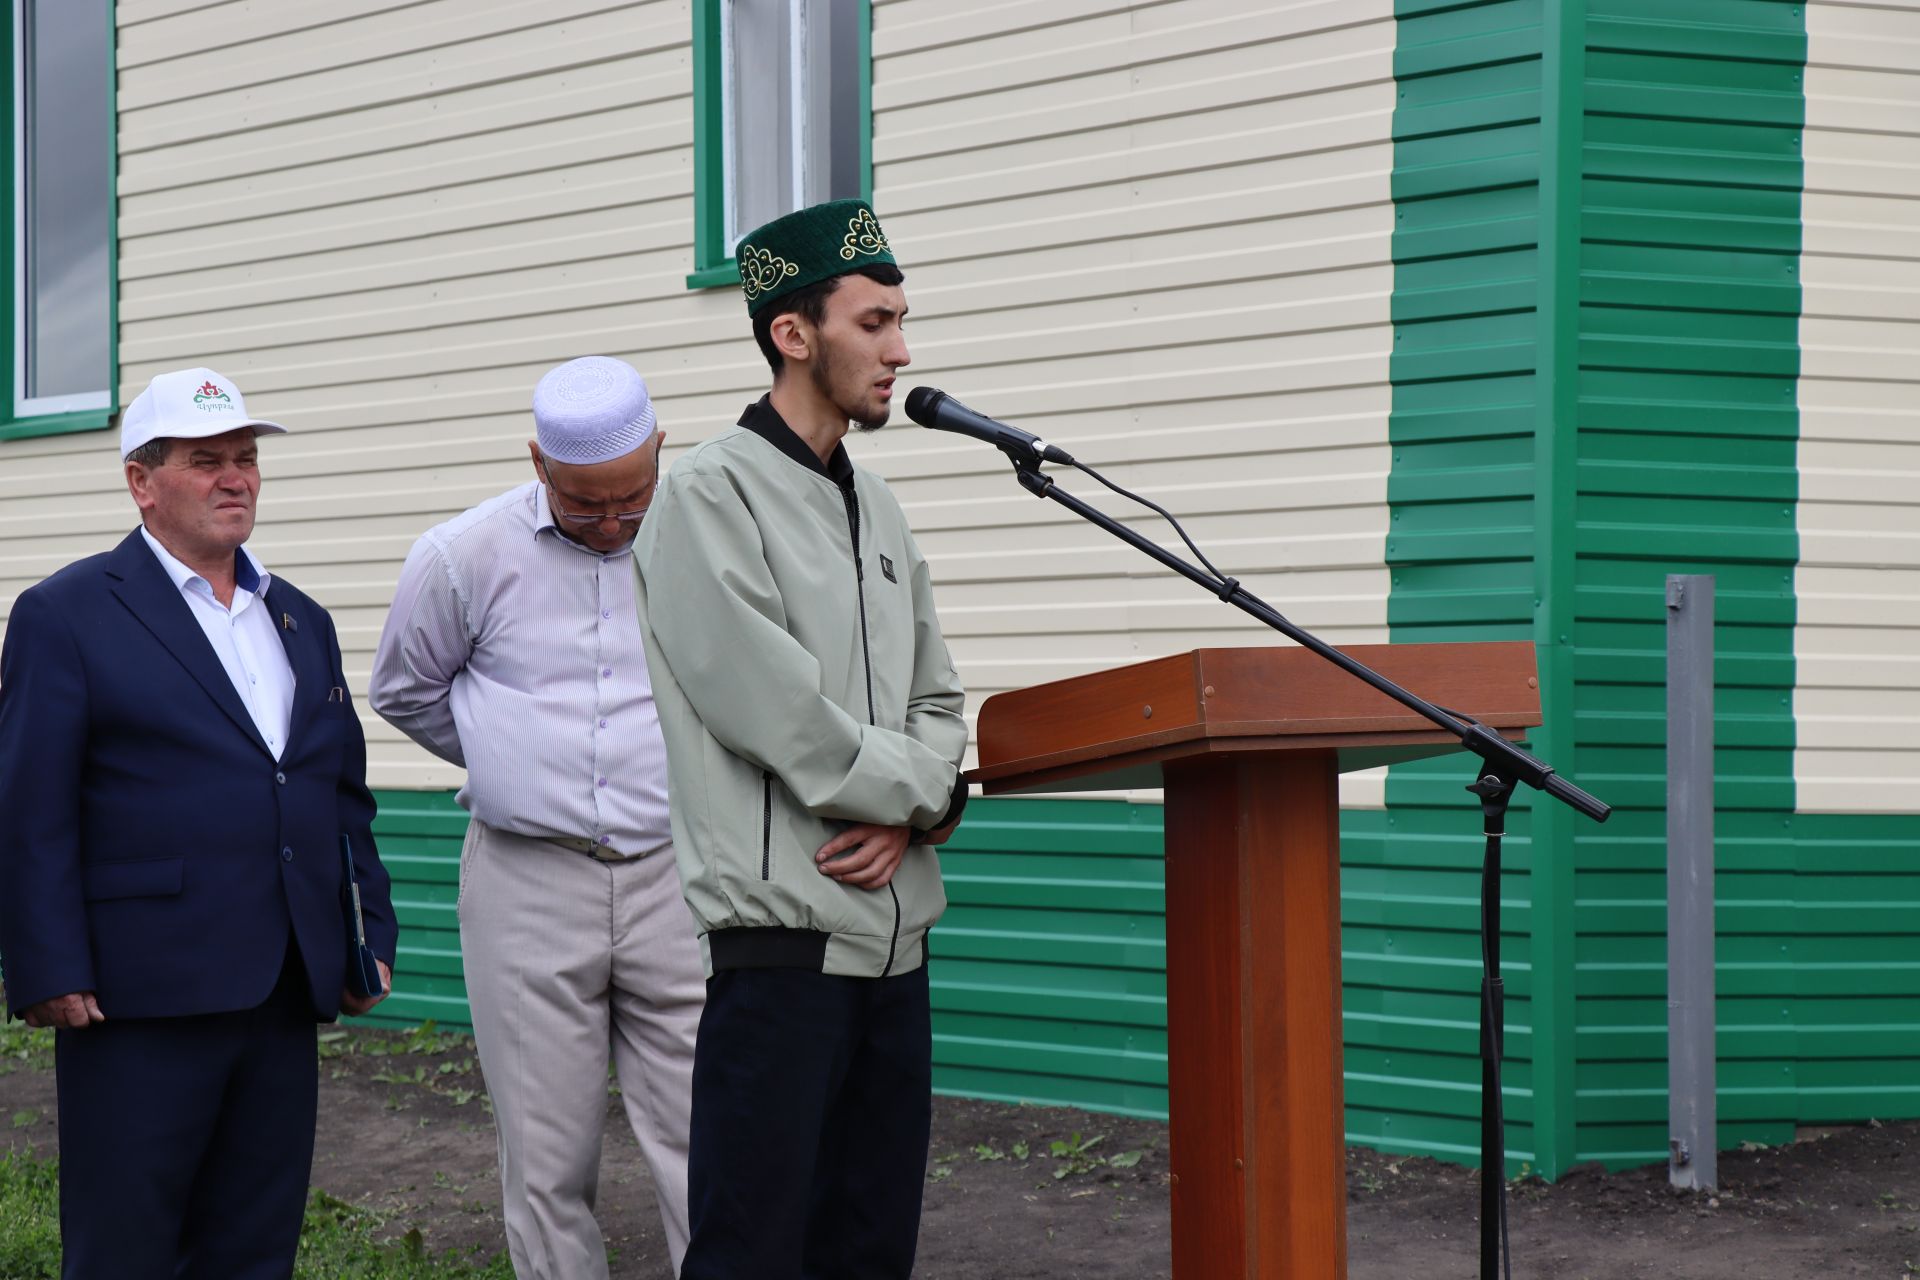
(792, 71)
(63, 141)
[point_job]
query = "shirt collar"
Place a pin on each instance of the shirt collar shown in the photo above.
(248, 573)
(765, 421)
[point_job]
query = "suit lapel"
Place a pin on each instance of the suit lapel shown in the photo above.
(303, 655)
(149, 594)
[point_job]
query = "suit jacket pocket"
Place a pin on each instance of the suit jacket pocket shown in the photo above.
(143, 878)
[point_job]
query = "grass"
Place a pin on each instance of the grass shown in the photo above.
(338, 1241)
(25, 1046)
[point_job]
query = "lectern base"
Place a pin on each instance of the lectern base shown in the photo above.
(1253, 1017)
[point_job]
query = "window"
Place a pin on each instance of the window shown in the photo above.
(782, 117)
(60, 273)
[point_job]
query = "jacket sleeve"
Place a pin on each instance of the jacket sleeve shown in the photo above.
(45, 942)
(716, 614)
(936, 699)
(426, 643)
(356, 809)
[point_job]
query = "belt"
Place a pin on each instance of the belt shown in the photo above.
(591, 848)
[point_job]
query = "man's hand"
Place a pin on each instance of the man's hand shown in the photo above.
(353, 1005)
(864, 855)
(72, 1012)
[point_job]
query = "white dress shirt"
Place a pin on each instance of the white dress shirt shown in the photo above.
(242, 637)
(515, 652)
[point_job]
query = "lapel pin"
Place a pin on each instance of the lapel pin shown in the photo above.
(288, 624)
(336, 694)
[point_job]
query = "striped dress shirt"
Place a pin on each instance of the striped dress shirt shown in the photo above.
(516, 653)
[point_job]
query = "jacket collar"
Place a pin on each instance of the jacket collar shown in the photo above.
(765, 421)
(142, 584)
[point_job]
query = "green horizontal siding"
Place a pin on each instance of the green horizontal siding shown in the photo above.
(1050, 976)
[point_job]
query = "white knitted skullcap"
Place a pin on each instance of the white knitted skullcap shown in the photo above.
(593, 409)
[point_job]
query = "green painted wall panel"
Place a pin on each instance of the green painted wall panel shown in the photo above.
(1685, 435)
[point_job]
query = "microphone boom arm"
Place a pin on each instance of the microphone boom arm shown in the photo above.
(1500, 755)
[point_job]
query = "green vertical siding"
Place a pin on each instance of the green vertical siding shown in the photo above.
(1467, 396)
(1689, 307)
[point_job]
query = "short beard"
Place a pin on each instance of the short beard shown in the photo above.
(822, 371)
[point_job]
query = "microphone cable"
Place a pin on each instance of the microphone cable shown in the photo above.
(1227, 585)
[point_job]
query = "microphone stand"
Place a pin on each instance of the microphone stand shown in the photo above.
(1503, 766)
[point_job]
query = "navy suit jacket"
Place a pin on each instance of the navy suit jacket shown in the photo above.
(151, 848)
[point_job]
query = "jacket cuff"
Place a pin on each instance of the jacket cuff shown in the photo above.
(955, 807)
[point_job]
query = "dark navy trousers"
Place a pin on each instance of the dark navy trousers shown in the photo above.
(812, 1100)
(186, 1143)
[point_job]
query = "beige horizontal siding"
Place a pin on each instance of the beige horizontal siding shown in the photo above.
(1858, 585)
(1154, 232)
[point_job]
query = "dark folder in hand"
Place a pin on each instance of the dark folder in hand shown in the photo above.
(363, 970)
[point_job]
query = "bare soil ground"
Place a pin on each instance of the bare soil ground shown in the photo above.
(1018, 1192)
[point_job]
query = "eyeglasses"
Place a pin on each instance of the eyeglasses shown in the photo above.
(574, 518)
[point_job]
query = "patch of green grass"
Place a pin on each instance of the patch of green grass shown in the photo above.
(338, 1241)
(341, 1241)
(22, 1045)
(29, 1217)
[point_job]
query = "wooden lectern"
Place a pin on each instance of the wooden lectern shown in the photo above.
(1248, 744)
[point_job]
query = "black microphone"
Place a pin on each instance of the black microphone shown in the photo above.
(940, 411)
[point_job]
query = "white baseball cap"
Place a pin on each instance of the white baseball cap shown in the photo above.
(187, 404)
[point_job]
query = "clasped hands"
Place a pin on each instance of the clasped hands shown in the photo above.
(866, 855)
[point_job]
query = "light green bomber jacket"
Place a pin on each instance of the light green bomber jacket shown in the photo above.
(802, 685)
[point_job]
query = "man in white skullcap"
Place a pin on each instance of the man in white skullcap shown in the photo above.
(513, 649)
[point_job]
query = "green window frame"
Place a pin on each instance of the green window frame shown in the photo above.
(17, 421)
(713, 257)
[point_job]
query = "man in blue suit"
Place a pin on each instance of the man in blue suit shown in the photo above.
(179, 761)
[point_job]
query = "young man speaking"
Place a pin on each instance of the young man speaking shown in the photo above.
(813, 730)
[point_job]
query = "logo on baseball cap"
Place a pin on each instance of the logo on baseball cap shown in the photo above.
(187, 404)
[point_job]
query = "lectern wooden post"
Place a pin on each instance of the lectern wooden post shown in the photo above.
(1248, 744)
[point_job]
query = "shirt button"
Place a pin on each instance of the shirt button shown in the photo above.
(606, 839)
(286, 854)
(280, 778)
(603, 724)
(606, 671)
(602, 782)
(606, 613)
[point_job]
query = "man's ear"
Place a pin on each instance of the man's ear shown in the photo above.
(139, 486)
(792, 337)
(533, 450)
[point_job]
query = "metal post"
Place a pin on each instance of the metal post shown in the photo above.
(1691, 1112)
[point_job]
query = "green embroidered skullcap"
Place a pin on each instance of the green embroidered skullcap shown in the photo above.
(808, 246)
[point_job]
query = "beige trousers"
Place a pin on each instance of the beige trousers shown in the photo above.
(569, 960)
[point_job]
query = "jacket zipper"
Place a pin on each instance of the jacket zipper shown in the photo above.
(766, 825)
(866, 658)
(860, 593)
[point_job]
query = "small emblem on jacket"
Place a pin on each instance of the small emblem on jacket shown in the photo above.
(886, 567)
(287, 623)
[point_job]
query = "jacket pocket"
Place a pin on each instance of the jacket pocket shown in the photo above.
(766, 825)
(145, 878)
